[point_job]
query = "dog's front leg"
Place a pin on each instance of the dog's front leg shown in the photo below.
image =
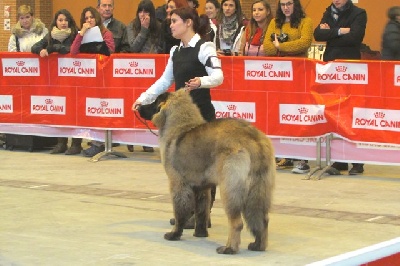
(202, 211)
(183, 204)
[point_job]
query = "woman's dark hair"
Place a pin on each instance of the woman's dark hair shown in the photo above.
(201, 25)
(154, 27)
(215, 3)
(96, 16)
(71, 23)
(238, 12)
(393, 12)
(295, 18)
(253, 24)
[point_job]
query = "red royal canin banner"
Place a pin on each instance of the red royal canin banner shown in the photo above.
(284, 97)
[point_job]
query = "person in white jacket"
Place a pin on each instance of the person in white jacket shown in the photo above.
(28, 31)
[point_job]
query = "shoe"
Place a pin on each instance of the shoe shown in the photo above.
(284, 163)
(148, 149)
(130, 148)
(340, 166)
(301, 168)
(356, 169)
(333, 171)
(74, 150)
(93, 150)
(189, 224)
(59, 148)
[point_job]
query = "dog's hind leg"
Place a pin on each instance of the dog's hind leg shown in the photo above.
(259, 228)
(182, 200)
(202, 211)
(233, 243)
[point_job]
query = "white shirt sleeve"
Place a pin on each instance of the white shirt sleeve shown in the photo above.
(161, 85)
(208, 57)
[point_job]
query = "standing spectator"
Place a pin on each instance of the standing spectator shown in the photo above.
(28, 31)
(167, 41)
(391, 35)
(342, 27)
(253, 37)
(193, 65)
(211, 10)
(143, 37)
(118, 29)
(63, 32)
(231, 24)
(289, 34)
(90, 18)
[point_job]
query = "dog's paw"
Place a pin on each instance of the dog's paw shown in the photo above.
(226, 250)
(172, 236)
(255, 247)
(200, 233)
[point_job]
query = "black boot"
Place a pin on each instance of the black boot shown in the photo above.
(358, 168)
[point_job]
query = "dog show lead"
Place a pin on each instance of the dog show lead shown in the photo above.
(193, 65)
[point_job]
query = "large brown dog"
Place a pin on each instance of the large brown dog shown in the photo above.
(230, 153)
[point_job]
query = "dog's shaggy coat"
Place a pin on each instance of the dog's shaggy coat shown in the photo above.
(230, 153)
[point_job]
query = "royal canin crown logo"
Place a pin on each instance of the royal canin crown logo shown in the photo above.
(20, 63)
(48, 101)
(303, 110)
(104, 103)
(341, 69)
(77, 63)
(268, 66)
(231, 107)
(133, 64)
(379, 114)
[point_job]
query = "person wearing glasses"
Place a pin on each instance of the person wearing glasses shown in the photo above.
(342, 27)
(289, 34)
(253, 37)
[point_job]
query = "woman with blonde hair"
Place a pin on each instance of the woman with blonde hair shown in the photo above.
(28, 31)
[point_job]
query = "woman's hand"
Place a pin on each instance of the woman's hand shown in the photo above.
(85, 27)
(193, 83)
(145, 21)
(276, 42)
(43, 53)
(136, 106)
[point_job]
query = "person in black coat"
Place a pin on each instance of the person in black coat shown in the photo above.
(342, 27)
(62, 33)
(391, 35)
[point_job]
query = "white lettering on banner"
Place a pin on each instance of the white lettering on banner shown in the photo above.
(14, 67)
(397, 75)
(302, 114)
(138, 68)
(104, 107)
(268, 70)
(48, 105)
(76, 67)
(341, 73)
(376, 119)
(242, 110)
(6, 104)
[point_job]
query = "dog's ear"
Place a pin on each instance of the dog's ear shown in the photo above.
(162, 100)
